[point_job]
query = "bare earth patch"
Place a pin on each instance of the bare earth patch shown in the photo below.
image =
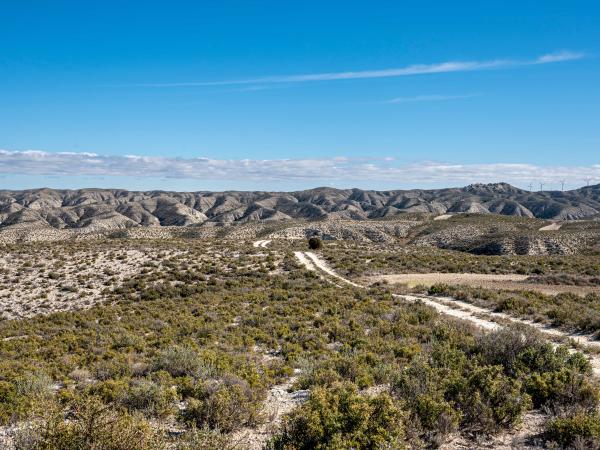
(487, 281)
(552, 227)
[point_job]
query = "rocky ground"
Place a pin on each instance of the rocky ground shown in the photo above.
(50, 277)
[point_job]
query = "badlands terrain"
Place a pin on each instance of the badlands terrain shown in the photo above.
(102, 209)
(455, 319)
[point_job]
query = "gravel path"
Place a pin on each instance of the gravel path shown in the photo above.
(305, 261)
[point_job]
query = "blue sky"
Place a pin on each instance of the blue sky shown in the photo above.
(380, 94)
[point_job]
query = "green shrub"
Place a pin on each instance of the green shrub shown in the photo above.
(580, 429)
(25, 395)
(438, 289)
(315, 243)
(109, 391)
(149, 398)
(92, 425)
(179, 361)
(519, 348)
(566, 388)
(226, 404)
(204, 439)
(489, 400)
(340, 418)
(9, 402)
(422, 388)
(108, 369)
(37, 385)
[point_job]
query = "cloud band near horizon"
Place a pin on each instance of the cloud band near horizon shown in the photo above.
(416, 69)
(307, 170)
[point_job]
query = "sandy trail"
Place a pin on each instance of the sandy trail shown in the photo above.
(279, 402)
(443, 217)
(482, 317)
(261, 243)
(315, 262)
(305, 261)
(318, 262)
(552, 227)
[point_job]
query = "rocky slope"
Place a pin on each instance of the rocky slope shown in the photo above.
(106, 209)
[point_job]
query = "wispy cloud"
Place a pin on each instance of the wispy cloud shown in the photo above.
(417, 69)
(430, 98)
(311, 171)
(559, 57)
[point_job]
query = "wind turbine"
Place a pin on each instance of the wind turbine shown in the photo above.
(542, 186)
(530, 187)
(562, 184)
(588, 180)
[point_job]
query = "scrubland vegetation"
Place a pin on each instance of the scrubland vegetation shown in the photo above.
(572, 311)
(183, 352)
(569, 311)
(352, 259)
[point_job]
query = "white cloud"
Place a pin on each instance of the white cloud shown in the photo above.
(430, 98)
(311, 171)
(416, 69)
(559, 57)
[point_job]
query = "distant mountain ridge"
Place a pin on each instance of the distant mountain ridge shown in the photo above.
(115, 208)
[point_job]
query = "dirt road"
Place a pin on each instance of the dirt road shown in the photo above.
(484, 318)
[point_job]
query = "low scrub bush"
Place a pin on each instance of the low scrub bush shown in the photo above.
(91, 425)
(580, 431)
(226, 404)
(179, 361)
(341, 418)
(150, 398)
(315, 243)
(489, 400)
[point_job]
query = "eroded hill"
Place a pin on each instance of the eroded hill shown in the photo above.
(108, 209)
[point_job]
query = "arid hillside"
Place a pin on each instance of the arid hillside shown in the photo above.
(103, 209)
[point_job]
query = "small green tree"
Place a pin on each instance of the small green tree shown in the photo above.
(314, 243)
